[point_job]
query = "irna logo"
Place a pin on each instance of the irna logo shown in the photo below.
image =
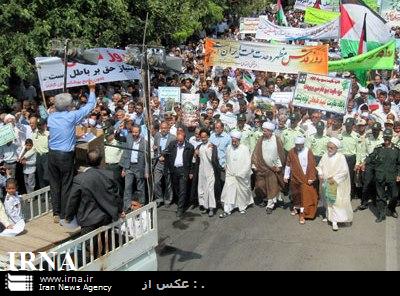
(42, 261)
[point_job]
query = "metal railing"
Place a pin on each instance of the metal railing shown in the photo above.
(36, 204)
(108, 247)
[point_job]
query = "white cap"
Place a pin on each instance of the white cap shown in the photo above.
(363, 90)
(236, 134)
(300, 140)
(268, 125)
(335, 142)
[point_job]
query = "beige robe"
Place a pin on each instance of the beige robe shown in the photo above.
(237, 188)
(336, 167)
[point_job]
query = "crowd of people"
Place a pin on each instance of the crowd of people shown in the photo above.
(311, 157)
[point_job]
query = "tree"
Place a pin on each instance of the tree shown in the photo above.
(26, 27)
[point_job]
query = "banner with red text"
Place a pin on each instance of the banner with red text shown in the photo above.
(282, 58)
(322, 92)
(110, 68)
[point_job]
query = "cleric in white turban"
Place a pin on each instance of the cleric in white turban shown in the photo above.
(335, 142)
(236, 134)
(237, 189)
(334, 176)
(268, 125)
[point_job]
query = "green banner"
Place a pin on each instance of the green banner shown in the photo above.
(373, 4)
(316, 16)
(377, 59)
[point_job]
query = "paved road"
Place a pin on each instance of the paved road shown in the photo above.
(256, 241)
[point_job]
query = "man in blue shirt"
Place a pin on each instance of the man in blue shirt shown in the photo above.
(222, 140)
(62, 140)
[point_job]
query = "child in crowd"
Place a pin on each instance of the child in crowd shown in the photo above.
(28, 160)
(12, 220)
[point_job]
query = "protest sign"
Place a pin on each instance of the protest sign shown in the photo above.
(109, 68)
(316, 16)
(267, 30)
(322, 92)
(263, 103)
(190, 105)
(259, 56)
(282, 98)
(168, 97)
(248, 25)
(390, 11)
(229, 121)
(6, 134)
(324, 4)
(377, 59)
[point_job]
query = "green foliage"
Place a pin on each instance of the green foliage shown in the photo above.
(26, 27)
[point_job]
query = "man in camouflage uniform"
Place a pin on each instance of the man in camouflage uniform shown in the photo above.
(372, 140)
(290, 134)
(317, 142)
(386, 162)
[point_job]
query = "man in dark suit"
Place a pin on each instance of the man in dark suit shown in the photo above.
(94, 197)
(161, 141)
(134, 168)
(179, 159)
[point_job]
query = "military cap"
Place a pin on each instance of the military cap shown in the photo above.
(241, 117)
(41, 121)
(388, 133)
(376, 126)
(349, 121)
(109, 131)
(320, 124)
(293, 117)
(263, 118)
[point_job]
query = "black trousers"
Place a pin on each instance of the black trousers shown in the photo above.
(386, 190)
(351, 163)
(179, 186)
(368, 187)
(42, 169)
(61, 174)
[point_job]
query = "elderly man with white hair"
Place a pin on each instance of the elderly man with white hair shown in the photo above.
(237, 188)
(267, 160)
(62, 140)
(334, 178)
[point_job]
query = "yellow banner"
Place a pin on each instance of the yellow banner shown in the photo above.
(282, 58)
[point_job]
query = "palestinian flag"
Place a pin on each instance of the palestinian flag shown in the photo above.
(355, 18)
(280, 16)
(362, 46)
(317, 4)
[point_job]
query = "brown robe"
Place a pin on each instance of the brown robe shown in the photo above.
(303, 195)
(268, 183)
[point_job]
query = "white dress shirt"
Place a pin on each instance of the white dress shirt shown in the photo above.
(134, 155)
(179, 156)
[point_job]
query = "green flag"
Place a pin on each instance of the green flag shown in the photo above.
(373, 4)
(316, 16)
(381, 58)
